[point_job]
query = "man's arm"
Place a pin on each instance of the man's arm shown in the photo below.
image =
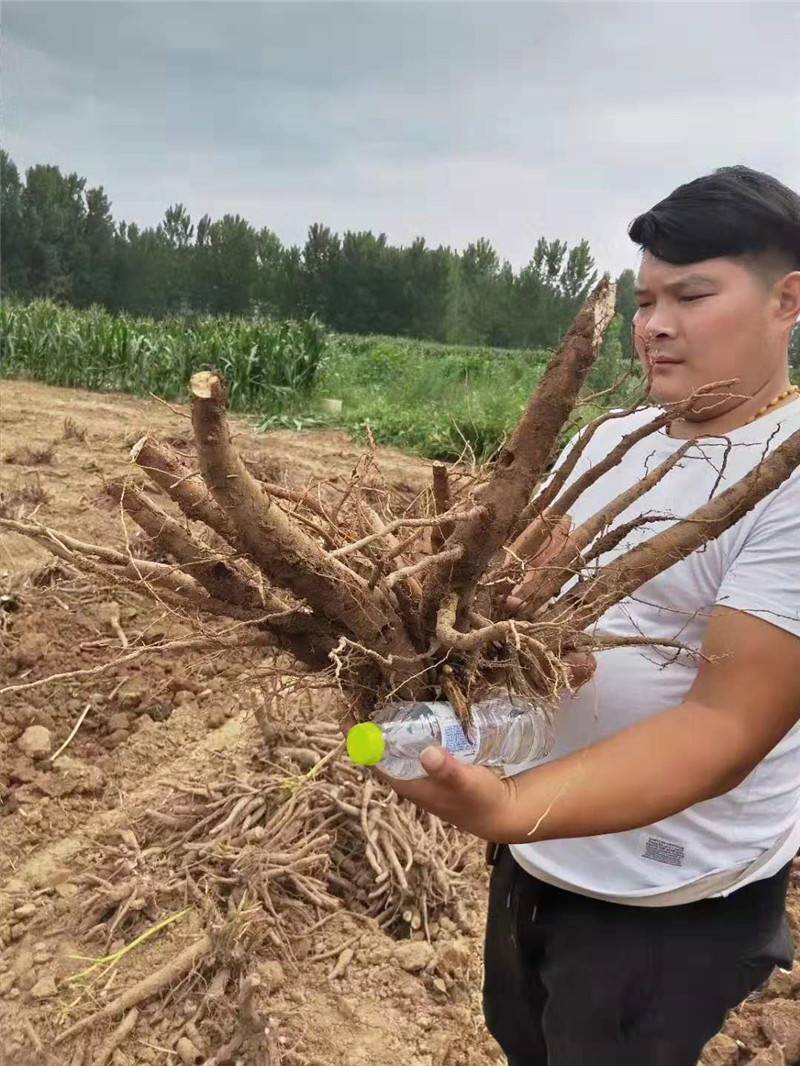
(744, 700)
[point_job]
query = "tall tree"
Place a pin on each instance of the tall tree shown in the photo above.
(227, 266)
(320, 262)
(143, 271)
(579, 274)
(53, 220)
(94, 272)
(13, 268)
(626, 309)
(175, 236)
(427, 277)
(479, 271)
(268, 293)
(548, 260)
(177, 227)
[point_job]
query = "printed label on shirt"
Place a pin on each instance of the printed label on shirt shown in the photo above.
(663, 851)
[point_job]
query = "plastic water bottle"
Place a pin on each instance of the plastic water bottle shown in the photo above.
(505, 729)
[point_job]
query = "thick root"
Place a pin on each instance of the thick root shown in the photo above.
(277, 544)
(523, 460)
(582, 606)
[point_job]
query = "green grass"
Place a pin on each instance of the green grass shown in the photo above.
(438, 400)
(428, 398)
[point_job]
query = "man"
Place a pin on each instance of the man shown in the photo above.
(642, 894)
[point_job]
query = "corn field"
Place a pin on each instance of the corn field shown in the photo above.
(268, 365)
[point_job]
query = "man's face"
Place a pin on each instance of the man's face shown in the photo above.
(705, 322)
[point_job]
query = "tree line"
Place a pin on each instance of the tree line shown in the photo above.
(59, 240)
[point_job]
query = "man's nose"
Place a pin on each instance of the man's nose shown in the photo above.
(659, 324)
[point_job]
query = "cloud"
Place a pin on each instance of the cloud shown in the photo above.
(446, 120)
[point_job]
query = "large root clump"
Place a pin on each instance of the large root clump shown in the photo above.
(408, 602)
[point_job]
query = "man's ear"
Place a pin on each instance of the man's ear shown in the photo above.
(788, 298)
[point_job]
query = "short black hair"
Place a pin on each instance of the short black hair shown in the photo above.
(735, 212)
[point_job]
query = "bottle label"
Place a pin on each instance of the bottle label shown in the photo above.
(454, 739)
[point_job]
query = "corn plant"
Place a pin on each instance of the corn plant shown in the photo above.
(267, 364)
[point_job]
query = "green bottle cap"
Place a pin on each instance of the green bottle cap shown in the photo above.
(365, 744)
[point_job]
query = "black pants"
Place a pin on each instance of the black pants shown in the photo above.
(573, 981)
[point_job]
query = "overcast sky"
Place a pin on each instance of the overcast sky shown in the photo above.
(449, 120)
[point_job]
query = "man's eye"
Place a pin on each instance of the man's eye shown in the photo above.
(690, 299)
(643, 305)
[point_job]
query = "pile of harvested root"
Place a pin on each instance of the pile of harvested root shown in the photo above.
(244, 869)
(325, 834)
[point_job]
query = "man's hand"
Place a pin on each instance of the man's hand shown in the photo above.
(469, 797)
(745, 698)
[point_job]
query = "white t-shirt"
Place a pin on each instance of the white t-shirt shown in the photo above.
(755, 567)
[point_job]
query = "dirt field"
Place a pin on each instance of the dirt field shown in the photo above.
(90, 876)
